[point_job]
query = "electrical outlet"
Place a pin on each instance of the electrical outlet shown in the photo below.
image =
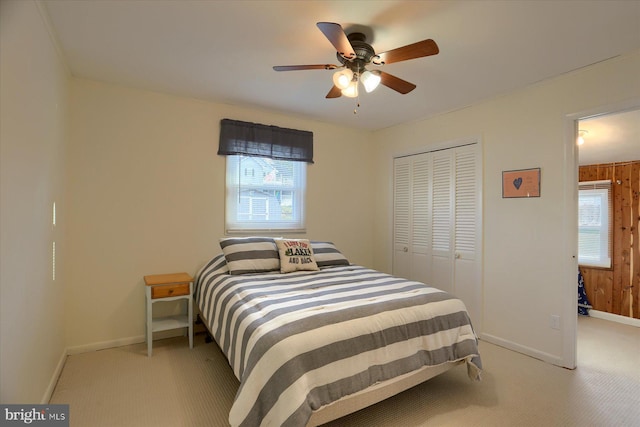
(555, 321)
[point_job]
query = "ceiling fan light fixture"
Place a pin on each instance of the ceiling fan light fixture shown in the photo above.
(370, 80)
(342, 78)
(351, 91)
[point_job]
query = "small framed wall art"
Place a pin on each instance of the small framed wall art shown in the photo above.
(521, 183)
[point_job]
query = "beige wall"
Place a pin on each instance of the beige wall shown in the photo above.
(147, 196)
(33, 126)
(525, 259)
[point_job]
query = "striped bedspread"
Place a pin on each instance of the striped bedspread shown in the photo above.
(302, 340)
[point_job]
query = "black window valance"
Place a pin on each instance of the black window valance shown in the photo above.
(255, 139)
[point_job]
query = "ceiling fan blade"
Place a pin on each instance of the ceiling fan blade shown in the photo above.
(396, 83)
(305, 67)
(338, 38)
(416, 50)
(335, 92)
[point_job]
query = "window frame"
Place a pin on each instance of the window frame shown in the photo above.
(234, 189)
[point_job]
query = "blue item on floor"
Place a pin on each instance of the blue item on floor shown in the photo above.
(583, 302)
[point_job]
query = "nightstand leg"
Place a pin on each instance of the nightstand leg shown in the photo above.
(149, 330)
(190, 310)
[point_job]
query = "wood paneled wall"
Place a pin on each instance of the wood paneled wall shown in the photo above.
(617, 290)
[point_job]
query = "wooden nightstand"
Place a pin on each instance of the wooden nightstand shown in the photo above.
(168, 287)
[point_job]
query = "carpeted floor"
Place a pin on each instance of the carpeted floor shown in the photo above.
(182, 387)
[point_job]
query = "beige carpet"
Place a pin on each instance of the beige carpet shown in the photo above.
(182, 387)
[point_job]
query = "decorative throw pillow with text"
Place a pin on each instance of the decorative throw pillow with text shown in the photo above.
(295, 254)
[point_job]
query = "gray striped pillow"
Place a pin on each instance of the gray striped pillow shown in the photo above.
(250, 254)
(326, 254)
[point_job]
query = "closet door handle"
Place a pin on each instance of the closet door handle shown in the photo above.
(405, 249)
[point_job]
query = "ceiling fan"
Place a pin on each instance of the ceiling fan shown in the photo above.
(355, 54)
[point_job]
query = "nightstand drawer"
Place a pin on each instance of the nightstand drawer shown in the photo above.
(170, 290)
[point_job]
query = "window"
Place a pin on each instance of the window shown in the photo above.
(265, 194)
(266, 176)
(594, 224)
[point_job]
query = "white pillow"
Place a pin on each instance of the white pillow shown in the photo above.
(295, 254)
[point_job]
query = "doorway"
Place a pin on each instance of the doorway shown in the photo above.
(597, 152)
(609, 165)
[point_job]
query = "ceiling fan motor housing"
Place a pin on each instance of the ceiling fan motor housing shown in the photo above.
(364, 53)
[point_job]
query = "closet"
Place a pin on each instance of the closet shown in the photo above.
(437, 221)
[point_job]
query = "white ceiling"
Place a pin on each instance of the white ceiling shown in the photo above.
(610, 138)
(223, 51)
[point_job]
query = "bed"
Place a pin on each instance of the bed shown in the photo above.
(316, 338)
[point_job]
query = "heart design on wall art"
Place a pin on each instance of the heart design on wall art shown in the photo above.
(521, 183)
(517, 183)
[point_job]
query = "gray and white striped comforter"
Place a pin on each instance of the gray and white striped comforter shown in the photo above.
(301, 340)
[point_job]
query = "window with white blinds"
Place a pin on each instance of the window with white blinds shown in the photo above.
(266, 176)
(264, 194)
(595, 223)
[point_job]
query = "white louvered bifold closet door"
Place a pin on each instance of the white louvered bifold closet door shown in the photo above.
(420, 207)
(437, 222)
(442, 221)
(401, 216)
(468, 226)
(411, 206)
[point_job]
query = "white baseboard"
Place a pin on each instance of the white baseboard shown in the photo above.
(527, 351)
(54, 379)
(105, 344)
(615, 318)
